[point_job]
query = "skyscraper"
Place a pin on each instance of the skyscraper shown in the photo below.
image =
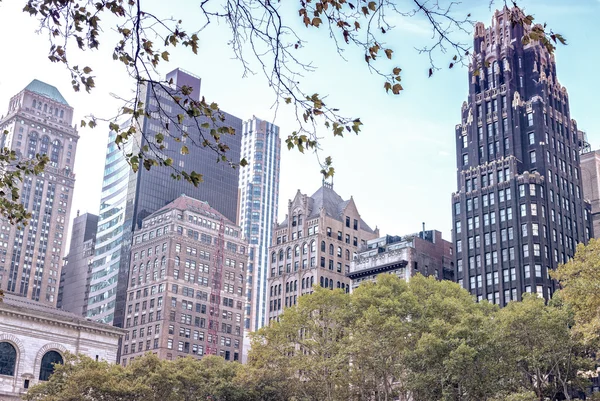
(127, 197)
(314, 245)
(259, 197)
(519, 209)
(75, 275)
(186, 286)
(39, 121)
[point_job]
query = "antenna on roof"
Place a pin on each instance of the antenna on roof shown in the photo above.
(328, 184)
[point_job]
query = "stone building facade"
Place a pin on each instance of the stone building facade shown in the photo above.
(424, 252)
(178, 302)
(39, 120)
(314, 245)
(33, 336)
(590, 178)
(519, 209)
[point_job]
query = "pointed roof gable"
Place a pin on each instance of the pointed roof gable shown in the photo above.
(187, 203)
(46, 90)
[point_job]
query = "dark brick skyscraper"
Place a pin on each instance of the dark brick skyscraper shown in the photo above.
(519, 209)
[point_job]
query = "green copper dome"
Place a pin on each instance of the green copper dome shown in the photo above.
(46, 90)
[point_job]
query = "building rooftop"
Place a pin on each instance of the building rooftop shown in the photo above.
(16, 303)
(46, 90)
(185, 202)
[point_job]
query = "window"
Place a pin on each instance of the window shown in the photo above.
(465, 159)
(8, 359)
(49, 359)
(531, 138)
(529, 115)
(532, 158)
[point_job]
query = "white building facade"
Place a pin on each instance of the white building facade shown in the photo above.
(34, 336)
(259, 196)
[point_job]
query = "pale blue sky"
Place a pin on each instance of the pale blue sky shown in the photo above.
(401, 169)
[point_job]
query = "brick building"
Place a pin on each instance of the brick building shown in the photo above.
(314, 245)
(178, 302)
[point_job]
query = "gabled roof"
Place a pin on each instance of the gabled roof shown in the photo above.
(187, 203)
(333, 204)
(46, 90)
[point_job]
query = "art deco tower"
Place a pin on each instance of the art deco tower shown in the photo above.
(39, 121)
(519, 209)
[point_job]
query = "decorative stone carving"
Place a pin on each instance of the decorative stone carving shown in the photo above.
(516, 100)
(470, 117)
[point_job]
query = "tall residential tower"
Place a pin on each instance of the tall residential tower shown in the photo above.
(39, 121)
(127, 197)
(259, 196)
(519, 209)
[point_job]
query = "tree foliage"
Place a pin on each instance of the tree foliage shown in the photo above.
(146, 379)
(425, 341)
(580, 282)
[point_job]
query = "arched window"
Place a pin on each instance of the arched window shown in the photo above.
(326, 282)
(32, 148)
(8, 358)
(303, 283)
(297, 250)
(313, 246)
(155, 263)
(347, 254)
(331, 284)
(281, 254)
(45, 108)
(44, 145)
(141, 267)
(339, 251)
(34, 103)
(62, 113)
(331, 248)
(289, 253)
(176, 260)
(312, 281)
(163, 261)
(273, 257)
(49, 359)
(322, 246)
(55, 151)
(304, 249)
(322, 285)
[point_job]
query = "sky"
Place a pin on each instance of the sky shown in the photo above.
(400, 170)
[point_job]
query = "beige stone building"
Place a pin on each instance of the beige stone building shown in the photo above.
(590, 180)
(33, 336)
(314, 245)
(39, 120)
(178, 302)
